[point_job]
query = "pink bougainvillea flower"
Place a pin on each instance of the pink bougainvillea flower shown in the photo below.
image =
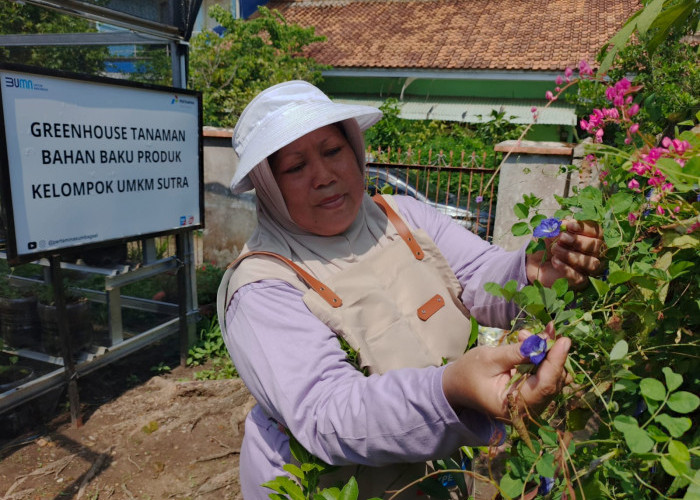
(584, 68)
(633, 110)
(633, 184)
(676, 209)
(559, 80)
(631, 217)
(549, 96)
(639, 168)
(533, 109)
(568, 72)
(660, 210)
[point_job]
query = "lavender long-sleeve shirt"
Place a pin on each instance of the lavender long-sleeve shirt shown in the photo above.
(293, 365)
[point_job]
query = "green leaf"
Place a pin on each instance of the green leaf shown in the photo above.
(683, 402)
(619, 351)
(682, 178)
(545, 466)
(520, 229)
(637, 439)
(494, 289)
(648, 15)
(473, 333)
(679, 451)
(676, 426)
(327, 494)
(536, 219)
(294, 470)
(673, 467)
(617, 277)
(693, 492)
(549, 437)
(349, 491)
(679, 268)
(673, 380)
(671, 238)
(657, 434)
(285, 486)
(511, 486)
(601, 287)
(521, 210)
(621, 202)
(652, 389)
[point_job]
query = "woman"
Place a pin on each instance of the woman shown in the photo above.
(393, 278)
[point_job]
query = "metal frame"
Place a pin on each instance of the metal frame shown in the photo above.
(143, 31)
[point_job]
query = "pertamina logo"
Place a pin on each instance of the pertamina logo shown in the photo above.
(181, 100)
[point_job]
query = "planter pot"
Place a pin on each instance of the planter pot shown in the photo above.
(79, 327)
(19, 324)
(12, 376)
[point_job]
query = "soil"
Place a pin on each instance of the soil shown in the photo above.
(144, 435)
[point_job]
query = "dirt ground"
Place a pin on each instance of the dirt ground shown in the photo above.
(144, 436)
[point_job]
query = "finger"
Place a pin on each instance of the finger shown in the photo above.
(523, 334)
(505, 357)
(560, 269)
(587, 227)
(580, 243)
(580, 262)
(549, 330)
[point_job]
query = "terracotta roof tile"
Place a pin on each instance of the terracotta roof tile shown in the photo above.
(458, 34)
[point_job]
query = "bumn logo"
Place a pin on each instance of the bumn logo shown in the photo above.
(20, 83)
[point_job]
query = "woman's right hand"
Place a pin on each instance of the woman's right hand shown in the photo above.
(479, 379)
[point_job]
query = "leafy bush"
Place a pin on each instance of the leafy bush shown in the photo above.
(211, 347)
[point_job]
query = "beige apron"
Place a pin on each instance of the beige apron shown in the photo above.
(398, 308)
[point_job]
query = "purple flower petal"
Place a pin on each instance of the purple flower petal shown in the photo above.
(546, 484)
(548, 228)
(535, 348)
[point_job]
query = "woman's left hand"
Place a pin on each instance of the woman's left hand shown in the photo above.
(575, 254)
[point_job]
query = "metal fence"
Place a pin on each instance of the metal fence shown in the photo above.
(464, 190)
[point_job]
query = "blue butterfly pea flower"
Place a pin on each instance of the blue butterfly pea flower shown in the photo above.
(535, 348)
(548, 228)
(546, 485)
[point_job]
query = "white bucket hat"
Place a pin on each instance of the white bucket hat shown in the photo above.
(281, 114)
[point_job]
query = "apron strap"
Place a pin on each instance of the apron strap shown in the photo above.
(400, 226)
(325, 292)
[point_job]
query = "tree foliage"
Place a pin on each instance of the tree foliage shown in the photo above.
(16, 18)
(248, 57)
(424, 135)
(660, 60)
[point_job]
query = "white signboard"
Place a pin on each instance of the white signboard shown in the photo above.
(95, 161)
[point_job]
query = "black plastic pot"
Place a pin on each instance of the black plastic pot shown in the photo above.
(19, 324)
(79, 327)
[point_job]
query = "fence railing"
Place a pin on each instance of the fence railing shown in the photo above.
(465, 191)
